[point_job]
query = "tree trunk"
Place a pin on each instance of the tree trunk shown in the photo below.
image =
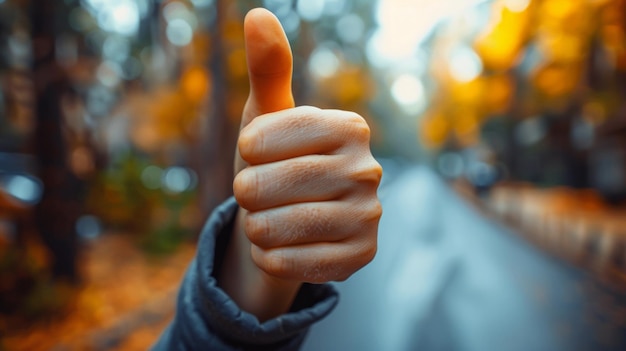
(217, 145)
(58, 209)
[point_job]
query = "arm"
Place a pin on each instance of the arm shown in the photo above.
(306, 182)
(208, 319)
(307, 214)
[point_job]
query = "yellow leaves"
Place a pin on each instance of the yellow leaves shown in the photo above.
(347, 87)
(236, 62)
(195, 83)
(119, 283)
(351, 87)
(560, 47)
(466, 128)
(594, 112)
(614, 36)
(166, 114)
(501, 90)
(161, 120)
(434, 131)
(557, 80)
(467, 94)
(233, 31)
(613, 32)
(564, 29)
(499, 46)
(437, 129)
(560, 10)
(499, 51)
(201, 47)
(458, 114)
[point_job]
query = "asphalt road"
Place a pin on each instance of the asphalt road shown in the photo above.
(446, 278)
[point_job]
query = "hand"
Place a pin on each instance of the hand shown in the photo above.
(306, 183)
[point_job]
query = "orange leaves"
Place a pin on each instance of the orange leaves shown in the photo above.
(195, 83)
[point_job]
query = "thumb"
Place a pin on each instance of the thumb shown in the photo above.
(270, 67)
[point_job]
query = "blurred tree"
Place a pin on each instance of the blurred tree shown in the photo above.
(58, 210)
(542, 91)
(217, 146)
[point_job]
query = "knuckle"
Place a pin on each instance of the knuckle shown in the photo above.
(250, 144)
(357, 128)
(367, 253)
(377, 170)
(362, 256)
(368, 171)
(257, 229)
(245, 188)
(244, 144)
(276, 264)
(374, 211)
(370, 254)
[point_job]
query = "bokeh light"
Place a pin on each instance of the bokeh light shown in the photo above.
(120, 16)
(310, 10)
(179, 32)
(409, 92)
(324, 62)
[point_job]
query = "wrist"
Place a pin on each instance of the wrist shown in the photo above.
(253, 290)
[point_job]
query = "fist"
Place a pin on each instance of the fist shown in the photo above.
(309, 192)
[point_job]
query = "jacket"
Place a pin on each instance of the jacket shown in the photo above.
(208, 319)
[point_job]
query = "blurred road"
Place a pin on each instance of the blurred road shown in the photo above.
(446, 278)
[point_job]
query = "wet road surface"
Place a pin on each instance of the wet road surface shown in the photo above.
(447, 278)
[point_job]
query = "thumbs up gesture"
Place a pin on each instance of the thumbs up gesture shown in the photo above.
(305, 182)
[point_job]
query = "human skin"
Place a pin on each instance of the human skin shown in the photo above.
(305, 182)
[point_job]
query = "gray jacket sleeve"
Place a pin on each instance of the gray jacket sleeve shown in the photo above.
(207, 319)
